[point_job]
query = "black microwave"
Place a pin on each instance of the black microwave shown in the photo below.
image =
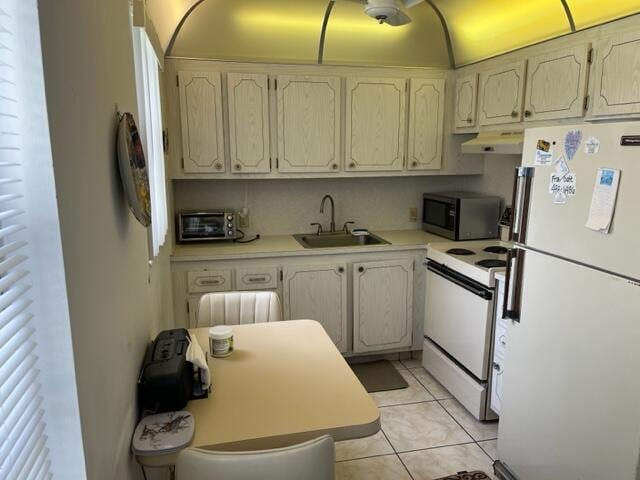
(207, 226)
(461, 215)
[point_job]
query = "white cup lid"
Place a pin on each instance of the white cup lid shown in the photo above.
(220, 331)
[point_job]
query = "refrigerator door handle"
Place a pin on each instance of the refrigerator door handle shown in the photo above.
(521, 200)
(513, 284)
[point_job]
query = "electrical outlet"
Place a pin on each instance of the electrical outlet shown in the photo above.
(243, 218)
(413, 214)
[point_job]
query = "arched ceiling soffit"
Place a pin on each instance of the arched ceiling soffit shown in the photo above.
(286, 31)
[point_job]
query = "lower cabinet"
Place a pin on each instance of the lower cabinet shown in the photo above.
(366, 304)
(382, 305)
(318, 292)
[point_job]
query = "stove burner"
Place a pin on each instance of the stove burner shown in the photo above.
(460, 251)
(497, 249)
(490, 263)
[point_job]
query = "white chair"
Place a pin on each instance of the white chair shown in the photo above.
(233, 308)
(312, 460)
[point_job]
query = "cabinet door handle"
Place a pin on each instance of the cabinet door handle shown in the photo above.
(334, 166)
(340, 269)
(361, 269)
(238, 166)
(527, 113)
(414, 164)
(208, 281)
(217, 166)
(469, 120)
(514, 114)
(352, 165)
(496, 366)
(257, 279)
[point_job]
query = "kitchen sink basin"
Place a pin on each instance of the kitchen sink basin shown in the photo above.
(331, 240)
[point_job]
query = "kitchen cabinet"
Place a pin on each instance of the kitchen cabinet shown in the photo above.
(426, 123)
(556, 84)
(617, 76)
(201, 122)
(248, 103)
(318, 292)
(501, 94)
(466, 99)
(375, 124)
(308, 124)
(257, 278)
(207, 281)
(382, 305)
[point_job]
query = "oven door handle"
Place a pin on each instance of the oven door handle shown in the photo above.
(459, 280)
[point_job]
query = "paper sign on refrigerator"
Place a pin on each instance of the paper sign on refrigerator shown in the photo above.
(603, 201)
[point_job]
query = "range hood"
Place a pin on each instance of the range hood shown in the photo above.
(504, 143)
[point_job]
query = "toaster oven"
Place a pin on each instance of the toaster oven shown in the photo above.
(207, 226)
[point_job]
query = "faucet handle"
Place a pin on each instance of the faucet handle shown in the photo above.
(316, 224)
(345, 227)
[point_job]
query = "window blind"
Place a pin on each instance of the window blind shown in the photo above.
(23, 443)
(150, 124)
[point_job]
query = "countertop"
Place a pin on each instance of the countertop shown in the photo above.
(287, 246)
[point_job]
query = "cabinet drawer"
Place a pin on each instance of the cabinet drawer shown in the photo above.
(204, 281)
(256, 278)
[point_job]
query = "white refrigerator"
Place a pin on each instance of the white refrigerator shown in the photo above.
(571, 392)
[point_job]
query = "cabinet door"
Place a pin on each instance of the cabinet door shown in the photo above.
(249, 145)
(617, 75)
(426, 123)
(375, 124)
(466, 101)
(201, 122)
(556, 84)
(501, 92)
(308, 124)
(318, 292)
(382, 305)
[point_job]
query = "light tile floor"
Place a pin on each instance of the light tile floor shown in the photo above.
(426, 434)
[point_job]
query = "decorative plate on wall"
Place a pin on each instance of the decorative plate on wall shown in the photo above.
(133, 169)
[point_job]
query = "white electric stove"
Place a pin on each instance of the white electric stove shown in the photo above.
(461, 303)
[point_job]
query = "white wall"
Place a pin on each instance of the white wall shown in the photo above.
(117, 304)
(497, 178)
(289, 206)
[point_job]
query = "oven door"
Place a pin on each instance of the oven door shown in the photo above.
(459, 315)
(196, 227)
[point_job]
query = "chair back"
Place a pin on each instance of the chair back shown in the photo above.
(234, 308)
(312, 460)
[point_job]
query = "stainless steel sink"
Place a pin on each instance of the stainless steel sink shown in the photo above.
(332, 240)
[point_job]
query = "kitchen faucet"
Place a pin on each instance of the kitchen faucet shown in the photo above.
(332, 226)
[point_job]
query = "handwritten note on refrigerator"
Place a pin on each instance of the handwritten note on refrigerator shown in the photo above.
(603, 201)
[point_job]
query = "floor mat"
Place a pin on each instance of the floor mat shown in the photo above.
(379, 376)
(477, 475)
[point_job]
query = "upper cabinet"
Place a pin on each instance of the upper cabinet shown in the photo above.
(308, 124)
(466, 99)
(426, 123)
(375, 124)
(501, 93)
(617, 76)
(201, 120)
(248, 100)
(556, 84)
